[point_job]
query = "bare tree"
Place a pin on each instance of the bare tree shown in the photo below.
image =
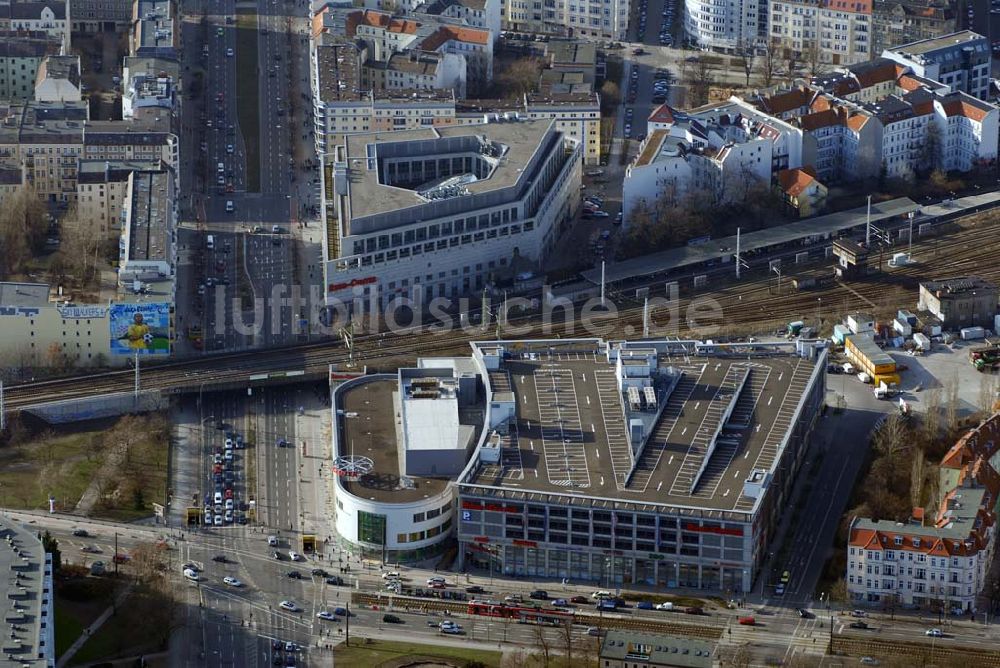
(737, 657)
(769, 61)
(542, 643)
(812, 56)
(698, 79)
(611, 95)
(746, 55)
(951, 404)
(22, 230)
(891, 437)
(916, 479)
(932, 414)
(520, 77)
(987, 394)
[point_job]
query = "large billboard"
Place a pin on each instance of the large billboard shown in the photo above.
(142, 328)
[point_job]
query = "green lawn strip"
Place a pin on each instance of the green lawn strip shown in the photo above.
(57, 465)
(248, 94)
(381, 651)
(120, 635)
(68, 629)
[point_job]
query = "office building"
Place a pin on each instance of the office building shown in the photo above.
(29, 623)
(941, 561)
(444, 211)
(960, 61)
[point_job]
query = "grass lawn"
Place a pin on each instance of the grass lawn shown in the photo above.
(151, 457)
(380, 652)
(247, 93)
(119, 636)
(56, 465)
(78, 603)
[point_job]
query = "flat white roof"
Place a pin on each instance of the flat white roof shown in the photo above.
(431, 423)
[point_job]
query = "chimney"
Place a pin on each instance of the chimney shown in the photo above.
(917, 516)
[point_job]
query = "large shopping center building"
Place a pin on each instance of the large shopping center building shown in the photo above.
(658, 462)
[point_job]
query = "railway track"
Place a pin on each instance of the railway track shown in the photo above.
(749, 308)
(413, 603)
(928, 654)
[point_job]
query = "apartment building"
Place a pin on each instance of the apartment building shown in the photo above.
(939, 559)
(11, 179)
(726, 25)
(959, 60)
(443, 211)
(153, 31)
(20, 58)
(144, 93)
(824, 31)
(133, 141)
(101, 190)
(148, 245)
(47, 140)
(50, 17)
(841, 141)
(58, 80)
(724, 150)
(418, 51)
(569, 18)
(483, 14)
(904, 21)
(90, 16)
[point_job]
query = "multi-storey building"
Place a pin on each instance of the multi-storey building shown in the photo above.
(133, 141)
(840, 140)
(51, 17)
(724, 150)
(417, 51)
(904, 21)
(944, 561)
(101, 15)
(443, 211)
(149, 226)
(20, 58)
(965, 301)
(648, 489)
(483, 14)
(47, 140)
(960, 60)
(822, 31)
(572, 18)
(726, 25)
(29, 624)
(58, 79)
(101, 190)
(153, 31)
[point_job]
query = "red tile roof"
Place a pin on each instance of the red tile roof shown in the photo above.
(786, 101)
(856, 6)
(964, 108)
(795, 181)
(662, 114)
(446, 34)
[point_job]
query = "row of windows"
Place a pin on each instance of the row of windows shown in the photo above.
(416, 536)
(434, 512)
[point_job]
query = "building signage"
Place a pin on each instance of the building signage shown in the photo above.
(353, 283)
(495, 507)
(481, 539)
(656, 555)
(81, 312)
(691, 526)
(26, 311)
(525, 543)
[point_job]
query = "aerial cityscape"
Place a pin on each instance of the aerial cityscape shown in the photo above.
(497, 333)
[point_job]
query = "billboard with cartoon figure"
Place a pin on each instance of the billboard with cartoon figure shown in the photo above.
(141, 328)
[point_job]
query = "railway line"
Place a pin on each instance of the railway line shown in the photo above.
(412, 603)
(754, 306)
(928, 654)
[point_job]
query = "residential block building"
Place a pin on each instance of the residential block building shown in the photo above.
(101, 190)
(20, 58)
(726, 25)
(90, 16)
(897, 22)
(29, 625)
(572, 18)
(51, 17)
(959, 60)
(724, 150)
(941, 561)
(822, 31)
(58, 80)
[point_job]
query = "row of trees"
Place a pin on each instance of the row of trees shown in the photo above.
(23, 228)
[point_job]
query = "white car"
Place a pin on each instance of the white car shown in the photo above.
(272, 541)
(295, 556)
(191, 574)
(665, 606)
(327, 615)
(229, 443)
(218, 520)
(229, 53)
(218, 495)
(230, 505)
(229, 148)
(434, 580)
(290, 606)
(232, 582)
(600, 594)
(934, 633)
(390, 575)
(451, 630)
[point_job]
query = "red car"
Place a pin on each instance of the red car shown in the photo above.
(436, 585)
(121, 558)
(229, 494)
(217, 468)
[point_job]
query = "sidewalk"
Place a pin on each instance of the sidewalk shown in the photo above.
(90, 630)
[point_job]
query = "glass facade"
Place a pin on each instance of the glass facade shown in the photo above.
(371, 528)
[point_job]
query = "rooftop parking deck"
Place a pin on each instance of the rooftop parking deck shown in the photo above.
(726, 416)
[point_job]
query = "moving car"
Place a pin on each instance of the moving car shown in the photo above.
(644, 605)
(539, 594)
(291, 606)
(232, 582)
(859, 625)
(326, 615)
(295, 556)
(391, 619)
(295, 575)
(934, 633)
(191, 574)
(80, 533)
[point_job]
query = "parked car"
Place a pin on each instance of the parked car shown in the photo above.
(859, 625)
(391, 619)
(644, 605)
(539, 594)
